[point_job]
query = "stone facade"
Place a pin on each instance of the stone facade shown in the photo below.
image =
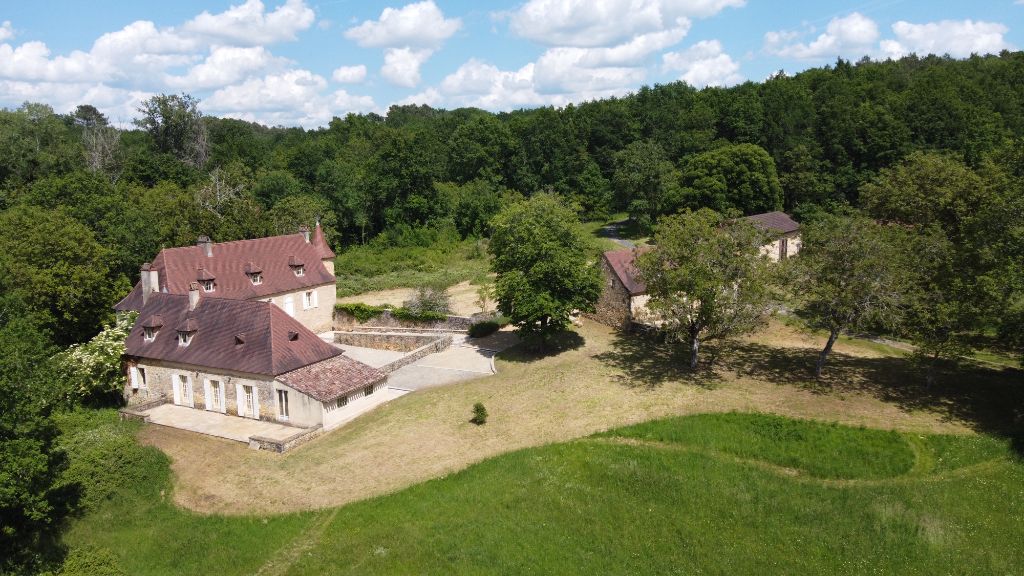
(159, 380)
(613, 308)
(785, 246)
(318, 318)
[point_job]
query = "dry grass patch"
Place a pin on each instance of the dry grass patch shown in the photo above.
(595, 386)
(463, 298)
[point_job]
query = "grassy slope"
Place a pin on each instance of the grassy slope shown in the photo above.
(698, 494)
(369, 268)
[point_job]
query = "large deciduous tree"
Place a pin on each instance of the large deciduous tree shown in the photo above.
(545, 266)
(852, 275)
(706, 277)
(732, 178)
(176, 125)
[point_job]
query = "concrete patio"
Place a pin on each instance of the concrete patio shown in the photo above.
(217, 424)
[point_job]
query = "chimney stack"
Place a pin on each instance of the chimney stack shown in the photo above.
(145, 279)
(193, 296)
(304, 230)
(207, 245)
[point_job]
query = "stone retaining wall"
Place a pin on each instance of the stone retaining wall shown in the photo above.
(343, 321)
(272, 445)
(437, 345)
(385, 341)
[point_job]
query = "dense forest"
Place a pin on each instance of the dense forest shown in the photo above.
(932, 143)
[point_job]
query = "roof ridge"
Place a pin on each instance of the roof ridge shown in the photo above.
(226, 242)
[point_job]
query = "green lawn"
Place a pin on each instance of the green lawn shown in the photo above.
(728, 493)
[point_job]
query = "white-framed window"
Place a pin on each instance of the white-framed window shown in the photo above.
(282, 405)
(256, 278)
(183, 390)
(185, 338)
(309, 299)
(215, 395)
(368, 390)
(138, 378)
(300, 270)
(208, 286)
(339, 403)
(148, 333)
(250, 401)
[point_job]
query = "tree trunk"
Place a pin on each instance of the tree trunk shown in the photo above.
(694, 347)
(824, 353)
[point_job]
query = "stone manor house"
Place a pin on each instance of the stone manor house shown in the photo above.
(231, 327)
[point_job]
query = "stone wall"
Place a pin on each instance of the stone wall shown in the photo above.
(159, 382)
(438, 345)
(343, 321)
(613, 306)
(385, 341)
(272, 445)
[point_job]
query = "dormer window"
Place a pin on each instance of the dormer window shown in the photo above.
(300, 270)
(185, 338)
(297, 265)
(208, 286)
(206, 280)
(150, 327)
(255, 273)
(186, 330)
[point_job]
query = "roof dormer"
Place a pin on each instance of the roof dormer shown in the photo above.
(187, 330)
(254, 272)
(151, 326)
(297, 265)
(206, 280)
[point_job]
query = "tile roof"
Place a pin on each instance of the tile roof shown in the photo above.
(622, 263)
(230, 262)
(330, 379)
(266, 346)
(779, 222)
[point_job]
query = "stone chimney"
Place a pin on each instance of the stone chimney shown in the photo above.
(304, 230)
(207, 245)
(150, 280)
(193, 296)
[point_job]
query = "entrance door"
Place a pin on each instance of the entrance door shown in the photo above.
(250, 401)
(289, 305)
(215, 396)
(185, 383)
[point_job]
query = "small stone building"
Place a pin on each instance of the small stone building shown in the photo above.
(242, 357)
(293, 271)
(623, 301)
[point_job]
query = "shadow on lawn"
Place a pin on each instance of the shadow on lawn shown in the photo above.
(990, 400)
(529, 350)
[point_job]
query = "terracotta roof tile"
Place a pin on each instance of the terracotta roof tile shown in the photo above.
(779, 222)
(622, 263)
(264, 329)
(177, 267)
(330, 379)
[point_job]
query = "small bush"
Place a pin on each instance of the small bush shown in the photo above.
(361, 312)
(413, 316)
(429, 299)
(479, 414)
(91, 561)
(483, 328)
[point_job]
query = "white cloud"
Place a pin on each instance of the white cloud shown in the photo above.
(416, 25)
(6, 32)
(483, 85)
(349, 74)
(846, 35)
(294, 97)
(958, 38)
(250, 24)
(226, 65)
(704, 64)
(588, 23)
(118, 104)
(402, 65)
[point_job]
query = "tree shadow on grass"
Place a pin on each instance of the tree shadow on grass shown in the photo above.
(988, 399)
(647, 361)
(530, 351)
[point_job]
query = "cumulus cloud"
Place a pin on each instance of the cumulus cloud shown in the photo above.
(349, 74)
(704, 64)
(6, 32)
(250, 23)
(958, 38)
(416, 25)
(402, 65)
(589, 23)
(291, 97)
(226, 65)
(846, 35)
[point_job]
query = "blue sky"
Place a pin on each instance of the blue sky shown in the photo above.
(301, 62)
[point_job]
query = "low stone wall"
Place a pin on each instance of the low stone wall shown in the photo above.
(437, 345)
(135, 411)
(272, 445)
(385, 340)
(343, 321)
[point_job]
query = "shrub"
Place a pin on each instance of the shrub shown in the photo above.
(91, 561)
(483, 328)
(361, 312)
(479, 414)
(429, 299)
(413, 316)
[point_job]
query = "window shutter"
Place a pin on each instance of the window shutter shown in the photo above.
(256, 401)
(207, 394)
(176, 384)
(240, 399)
(135, 377)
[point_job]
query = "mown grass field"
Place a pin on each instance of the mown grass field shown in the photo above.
(725, 493)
